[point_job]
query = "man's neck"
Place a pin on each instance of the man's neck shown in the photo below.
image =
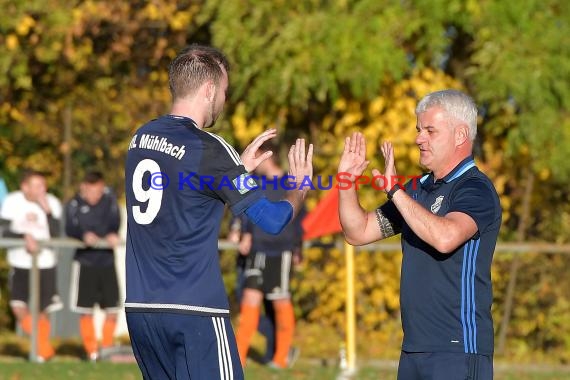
(439, 174)
(186, 108)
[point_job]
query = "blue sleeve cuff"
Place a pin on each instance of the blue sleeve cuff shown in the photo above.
(271, 217)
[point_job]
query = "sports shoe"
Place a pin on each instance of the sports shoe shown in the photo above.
(292, 356)
(41, 359)
(274, 365)
(93, 357)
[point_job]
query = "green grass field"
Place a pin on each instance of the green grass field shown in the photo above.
(307, 370)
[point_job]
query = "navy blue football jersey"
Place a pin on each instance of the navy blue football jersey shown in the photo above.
(446, 299)
(178, 179)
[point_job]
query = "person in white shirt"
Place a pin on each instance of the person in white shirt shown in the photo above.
(33, 215)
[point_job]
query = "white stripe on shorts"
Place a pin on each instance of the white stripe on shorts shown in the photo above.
(224, 354)
(74, 291)
(285, 269)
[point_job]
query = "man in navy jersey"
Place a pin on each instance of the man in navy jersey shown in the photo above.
(449, 221)
(178, 178)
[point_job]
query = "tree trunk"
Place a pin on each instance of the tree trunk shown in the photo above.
(515, 264)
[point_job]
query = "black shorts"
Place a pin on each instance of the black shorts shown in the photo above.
(19, 286)
(92, 285)
(269, 274)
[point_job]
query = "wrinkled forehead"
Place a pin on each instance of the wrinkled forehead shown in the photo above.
(433, 117)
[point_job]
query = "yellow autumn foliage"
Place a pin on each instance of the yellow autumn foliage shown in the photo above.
(103, 63)
(25, 24)
(12, 42)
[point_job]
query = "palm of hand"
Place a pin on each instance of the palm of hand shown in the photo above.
(388, 153)
(300, 164)
(250, 156)
(353, 159)
(352, 163)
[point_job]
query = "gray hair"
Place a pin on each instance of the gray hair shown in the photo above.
(456, 104)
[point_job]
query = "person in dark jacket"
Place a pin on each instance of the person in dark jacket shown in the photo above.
(269, 261)
(92, 216)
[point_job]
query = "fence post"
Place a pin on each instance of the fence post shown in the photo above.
(350, 310)
(34, 298)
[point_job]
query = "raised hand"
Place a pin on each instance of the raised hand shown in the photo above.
(389, 166)
(250, 158)
(43, 202)
(301, 164)
(353, 160)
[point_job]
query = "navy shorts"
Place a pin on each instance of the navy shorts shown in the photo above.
(444, 366)
(184, 346)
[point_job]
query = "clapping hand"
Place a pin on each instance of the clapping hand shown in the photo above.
(353, 160)
(250, 157)
(301, 164)
(390, 168)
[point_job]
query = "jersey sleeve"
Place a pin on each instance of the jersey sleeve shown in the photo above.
(72, 227)
(227, 178)
(478, 200)
(55, 206)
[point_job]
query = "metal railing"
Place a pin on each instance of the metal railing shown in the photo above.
(518, 248)
(34, 280)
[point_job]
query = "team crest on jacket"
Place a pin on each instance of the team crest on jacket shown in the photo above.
(244, 183)
(437, 204)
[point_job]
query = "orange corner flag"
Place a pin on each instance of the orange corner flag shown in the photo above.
(323, 219)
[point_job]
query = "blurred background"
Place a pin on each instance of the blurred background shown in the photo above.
(81, 76)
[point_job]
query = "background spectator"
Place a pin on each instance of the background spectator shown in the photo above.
(33, 215)
(268, 269)
(93, 217)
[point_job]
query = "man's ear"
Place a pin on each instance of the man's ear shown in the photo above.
(461, 134)
(210, 91)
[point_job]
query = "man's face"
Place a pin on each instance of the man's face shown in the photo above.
(92, 192)
(217, 106)
(435, 139)
(34, 188)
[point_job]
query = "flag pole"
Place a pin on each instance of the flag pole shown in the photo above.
(350, 310)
